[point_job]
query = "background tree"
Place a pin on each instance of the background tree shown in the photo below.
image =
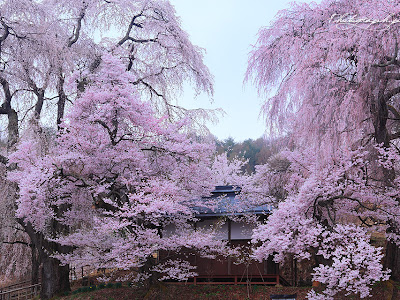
(116, 177)
(254, 152)
(46, 45)
(334, 86)
(16, 254)
(337, 82)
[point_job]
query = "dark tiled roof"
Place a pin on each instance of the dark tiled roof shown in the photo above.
(229, 204)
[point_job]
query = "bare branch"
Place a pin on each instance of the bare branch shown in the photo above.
(395, 76)
(391, 93)
(75, 36)
(131, 24)
(393, 60)
(17, 242)
(111, 133)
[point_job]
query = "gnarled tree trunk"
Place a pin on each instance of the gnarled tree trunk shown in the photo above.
(55, 278)
(380, 112)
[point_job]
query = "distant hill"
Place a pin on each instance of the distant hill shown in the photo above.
(257, 152)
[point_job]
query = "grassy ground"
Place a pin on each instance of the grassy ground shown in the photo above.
(383, 291)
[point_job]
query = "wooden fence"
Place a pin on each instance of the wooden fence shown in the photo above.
(81, 272)
(235, 280)
(15, 285)
(20, 291)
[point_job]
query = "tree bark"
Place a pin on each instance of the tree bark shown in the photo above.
(392, 260)
(153, 280)
(55, 278)
(380, 112)
(35, 265)
(13, 133)
(61, 99)
(12, 116)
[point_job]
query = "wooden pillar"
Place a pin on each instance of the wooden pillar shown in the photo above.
(229, 241)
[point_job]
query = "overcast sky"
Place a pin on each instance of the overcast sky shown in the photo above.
(227, 29)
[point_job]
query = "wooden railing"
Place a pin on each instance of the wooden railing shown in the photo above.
(236, 279)
(81, 272)
(20, 292)
(15, 285)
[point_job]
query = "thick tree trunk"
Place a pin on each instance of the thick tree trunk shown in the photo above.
(55, 278)
(153, 280)
(392, 257)
(380, 113)
(35, 265)
(392, 260)
(12, 115)
(13, 133)
(61, 99)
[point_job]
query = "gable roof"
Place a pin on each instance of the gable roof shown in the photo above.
(228, 203)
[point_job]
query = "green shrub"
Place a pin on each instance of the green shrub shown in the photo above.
(101, 286)
(77, 291)
(118, 284)
(110, 285)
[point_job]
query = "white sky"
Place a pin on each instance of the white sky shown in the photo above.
(227, 29)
